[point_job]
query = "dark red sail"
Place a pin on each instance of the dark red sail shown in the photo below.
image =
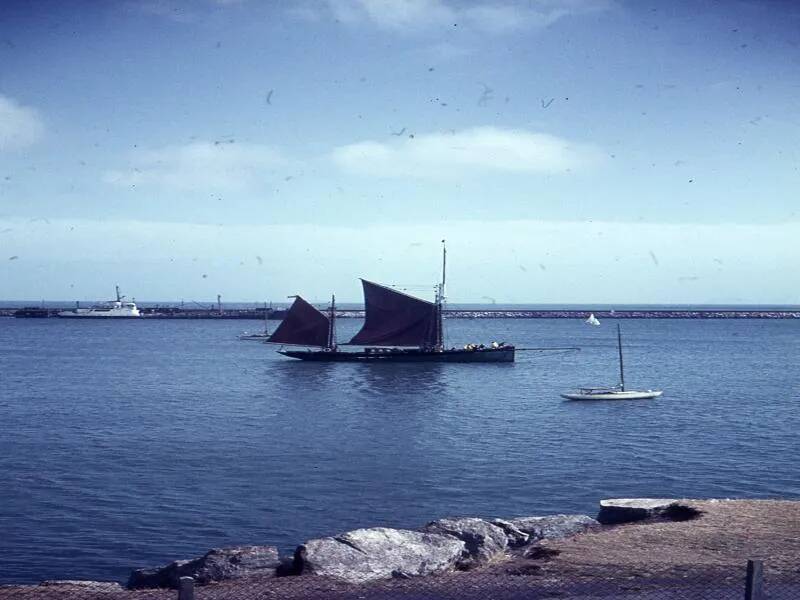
(303, 325)
(395, 319)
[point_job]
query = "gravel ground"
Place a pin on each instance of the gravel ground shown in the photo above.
(699, 559)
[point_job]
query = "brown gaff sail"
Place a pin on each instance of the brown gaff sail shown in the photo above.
(393, 318)
(303, 325)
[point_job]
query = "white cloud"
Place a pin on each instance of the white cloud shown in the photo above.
(441, 155)
(217, 166)
(393, 14)
(487, 16)
(20, 126)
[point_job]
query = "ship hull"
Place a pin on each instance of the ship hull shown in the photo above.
(484, 355)
(89, 317)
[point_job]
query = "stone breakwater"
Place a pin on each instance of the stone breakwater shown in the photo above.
(623, 314)
(381, 553)
(604, 314)
(278, 314)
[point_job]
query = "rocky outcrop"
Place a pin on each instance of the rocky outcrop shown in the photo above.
(484, 541)
(379, 553)
(215, 565)
(627, 510)
(553, 527)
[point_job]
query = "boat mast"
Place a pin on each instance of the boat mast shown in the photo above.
(621, 369)
(440, 302)
(332, 325)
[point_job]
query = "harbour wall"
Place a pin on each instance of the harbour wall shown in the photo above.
(278, 314)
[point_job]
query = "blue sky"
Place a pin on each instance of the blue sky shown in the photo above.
(569, 150)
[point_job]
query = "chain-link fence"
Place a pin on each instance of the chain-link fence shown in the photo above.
(748, 582)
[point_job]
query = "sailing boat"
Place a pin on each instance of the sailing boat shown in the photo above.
(617, 392)
(592, 320)
(397, 328)
(259, 336)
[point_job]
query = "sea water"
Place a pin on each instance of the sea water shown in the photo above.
(126, 444)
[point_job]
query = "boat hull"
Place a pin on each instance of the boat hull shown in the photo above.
(70, 315)
(484, 355)
(628, 395)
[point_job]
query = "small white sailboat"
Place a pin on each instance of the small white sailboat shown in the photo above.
(592, 320)
(616, 392)
(259, 336)
(254, 337)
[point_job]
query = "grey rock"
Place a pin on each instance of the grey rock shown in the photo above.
(379, 553)
(514, 535)
(215, 565)
(627, 510)
(554, 527)
(484, 541)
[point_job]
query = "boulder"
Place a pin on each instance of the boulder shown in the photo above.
(484, 541)
(553, 527)
(627, 510)
(379, 553)
(215, 565)
(514, 535)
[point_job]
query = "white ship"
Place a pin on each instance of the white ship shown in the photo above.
(114, 309)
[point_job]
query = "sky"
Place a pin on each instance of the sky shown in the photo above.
(569, 151)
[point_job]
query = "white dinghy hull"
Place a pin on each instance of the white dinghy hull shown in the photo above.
(614, 395)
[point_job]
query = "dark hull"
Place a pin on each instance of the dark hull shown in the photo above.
(32, 313)
(486, 355)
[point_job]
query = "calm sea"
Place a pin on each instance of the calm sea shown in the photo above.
(129, 444)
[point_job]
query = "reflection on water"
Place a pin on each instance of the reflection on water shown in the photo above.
(289, 376)
(399, 380)
(389, 380)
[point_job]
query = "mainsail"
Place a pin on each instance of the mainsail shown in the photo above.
(396, 319)
(303, 325)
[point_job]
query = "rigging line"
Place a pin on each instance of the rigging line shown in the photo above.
(417, 288)
(546, 349)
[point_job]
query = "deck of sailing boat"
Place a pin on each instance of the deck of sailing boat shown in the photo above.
(397, 328)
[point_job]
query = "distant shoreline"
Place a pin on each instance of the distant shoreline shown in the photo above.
(151, 313)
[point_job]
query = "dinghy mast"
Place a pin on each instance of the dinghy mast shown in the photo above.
(621, 369)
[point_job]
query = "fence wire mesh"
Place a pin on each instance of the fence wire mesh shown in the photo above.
(513, 582)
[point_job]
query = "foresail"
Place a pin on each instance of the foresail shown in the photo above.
(395, 319)
(303, 325)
